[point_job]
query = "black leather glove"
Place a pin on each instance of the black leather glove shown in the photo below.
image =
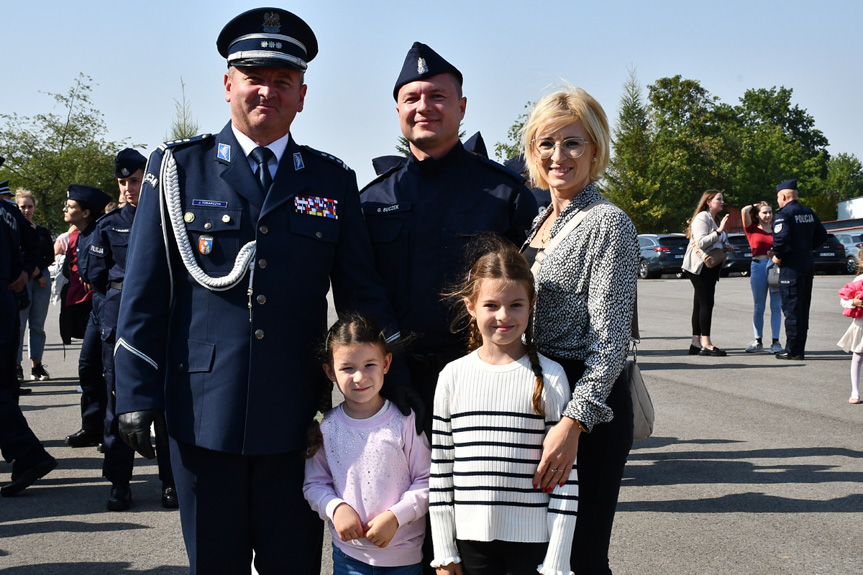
(135, 429)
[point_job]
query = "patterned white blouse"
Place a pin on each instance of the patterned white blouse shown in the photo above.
(585, 299)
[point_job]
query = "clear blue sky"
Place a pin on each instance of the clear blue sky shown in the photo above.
(509, 52)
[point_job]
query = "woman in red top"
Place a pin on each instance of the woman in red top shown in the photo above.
(760, 235)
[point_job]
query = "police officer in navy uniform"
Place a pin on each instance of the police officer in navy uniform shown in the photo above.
(106, 272)
(18, 444)
(796, 232)
(222, 307)
(421, 213)
(85, 205)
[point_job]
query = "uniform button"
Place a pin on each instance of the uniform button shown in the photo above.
(319, 235)
(262, 299)
(180, 367)
(208, 225)
(259, 333)
(226, 218)
(262, 263)
(264, 230)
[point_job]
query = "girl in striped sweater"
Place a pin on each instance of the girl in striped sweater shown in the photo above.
(492, 410)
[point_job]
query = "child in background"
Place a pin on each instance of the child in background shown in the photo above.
(852, 341)
(369, 479)
(492, 410)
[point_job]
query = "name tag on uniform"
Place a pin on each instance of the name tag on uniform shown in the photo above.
(210, 203)
(316, 206)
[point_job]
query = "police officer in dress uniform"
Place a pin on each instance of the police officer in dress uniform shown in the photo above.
(85, 205)
(796, 232)
(18, 444)
(220, 316)
(106, 271)
(422, 212)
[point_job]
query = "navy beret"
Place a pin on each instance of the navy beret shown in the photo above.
(268, 37)
(787, 185)
(4, 187)
(422, 62)
(128, 162)
(476, 145)
(94, 198)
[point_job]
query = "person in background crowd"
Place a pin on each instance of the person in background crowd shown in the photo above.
(18, 444)
(106, 271)
(216, 328)
(85, 204)
(704, 235)
(585, 301)
(796, 232)
(759, 233)
(40, 293)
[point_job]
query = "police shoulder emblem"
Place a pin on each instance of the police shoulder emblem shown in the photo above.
(777, 228)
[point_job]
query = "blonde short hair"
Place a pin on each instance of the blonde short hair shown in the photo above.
(559, 109)
(21, 193)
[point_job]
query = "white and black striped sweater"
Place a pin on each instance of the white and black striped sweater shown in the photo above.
(486, 445)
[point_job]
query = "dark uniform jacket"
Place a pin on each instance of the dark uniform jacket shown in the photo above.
(796, 232)
(420, 216)
(232, 383)
(106, 262)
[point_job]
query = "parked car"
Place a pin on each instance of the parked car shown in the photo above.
(830, 256)
(660, 254)
(852, 242)
(738, 259)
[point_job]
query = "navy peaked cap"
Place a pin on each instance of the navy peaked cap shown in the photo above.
(268, 37)
(787, 185)
(128, 162)
(422, 62)
(94, 198)
(4, 188)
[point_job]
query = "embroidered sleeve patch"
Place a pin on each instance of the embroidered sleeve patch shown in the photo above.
(316, 206)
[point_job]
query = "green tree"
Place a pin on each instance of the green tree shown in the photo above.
(512, 147)
(184, 125)
(844, 181)
(48, 152)
(627, 182)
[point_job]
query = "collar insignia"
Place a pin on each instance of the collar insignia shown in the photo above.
(298, 161)
(225, 152)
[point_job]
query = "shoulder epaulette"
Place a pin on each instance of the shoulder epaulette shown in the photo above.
(184, 141)
(326, 156)
(381, 177)
(106, 214)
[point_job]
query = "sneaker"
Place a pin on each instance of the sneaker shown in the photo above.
(20, 371)
(755, 347)
(776, 348)
(38, 373)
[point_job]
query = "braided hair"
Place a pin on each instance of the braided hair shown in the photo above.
(500, 260)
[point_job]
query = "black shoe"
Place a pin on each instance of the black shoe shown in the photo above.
(28, 477)
(786, 355)
(715, 352)
(101, 448)
(38, 373)
(84, 438)
(24, 391)
(169, 497)
(694, 350)
(20, 371)
(121, 498)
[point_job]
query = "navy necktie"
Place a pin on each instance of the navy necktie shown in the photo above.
(262, 156)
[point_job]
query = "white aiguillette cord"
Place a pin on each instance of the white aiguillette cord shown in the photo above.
(245, 259)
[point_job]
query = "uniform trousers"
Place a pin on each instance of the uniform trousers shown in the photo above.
(232, 505)
(18, 443)
(34, 315)
(796, 289)
(90, 374)
(602, 456)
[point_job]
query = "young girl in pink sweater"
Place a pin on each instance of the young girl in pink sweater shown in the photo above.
(369, 480)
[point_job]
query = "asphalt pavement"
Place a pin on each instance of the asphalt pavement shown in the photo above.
(755, 466)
